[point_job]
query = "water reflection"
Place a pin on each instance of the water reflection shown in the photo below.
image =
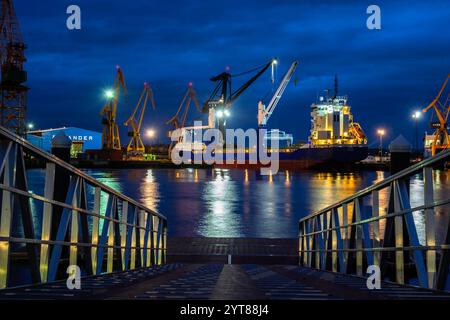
(235, 203)
(149, 191)
(220, 197)
(326, 188)
(110, 179)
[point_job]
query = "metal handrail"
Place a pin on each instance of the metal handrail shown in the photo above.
(338, 240)
(386, 182)
(125, 233)
(52, 158)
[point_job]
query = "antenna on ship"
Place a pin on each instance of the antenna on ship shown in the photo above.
(335, 86)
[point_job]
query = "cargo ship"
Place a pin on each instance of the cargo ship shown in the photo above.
(335, 140)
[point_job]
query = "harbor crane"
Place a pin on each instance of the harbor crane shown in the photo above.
(135, 147)
(110, 134)
(222, 98)
(190, 96)
(265, 112)
(13, 100)
(441, 108)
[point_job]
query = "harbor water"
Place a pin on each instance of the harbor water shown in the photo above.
(241, 203)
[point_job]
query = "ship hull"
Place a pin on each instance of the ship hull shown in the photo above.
(309, 158)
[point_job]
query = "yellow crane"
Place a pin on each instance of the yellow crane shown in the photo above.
(110, 134)
(189, 96)
(135, 147)
(441, 108)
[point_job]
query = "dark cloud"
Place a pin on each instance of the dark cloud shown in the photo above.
(386, 73)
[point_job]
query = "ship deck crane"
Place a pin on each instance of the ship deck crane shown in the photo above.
(135, 147)
(441, 108)
(265, 112)
(222, 98)
(110, 134)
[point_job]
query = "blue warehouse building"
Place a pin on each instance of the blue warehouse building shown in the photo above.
(82, 139)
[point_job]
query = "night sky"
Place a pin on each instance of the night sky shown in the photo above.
(386, 73)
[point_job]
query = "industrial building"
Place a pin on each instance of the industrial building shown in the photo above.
(82, 139)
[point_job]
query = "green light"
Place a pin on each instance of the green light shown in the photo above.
(109, 94)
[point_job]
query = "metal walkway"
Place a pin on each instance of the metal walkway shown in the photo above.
(72, 224)
(224, 282)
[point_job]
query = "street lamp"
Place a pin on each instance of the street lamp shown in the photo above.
(109, 94)
(30, 126)
(151, 133)
(381, 133)
(416, 116)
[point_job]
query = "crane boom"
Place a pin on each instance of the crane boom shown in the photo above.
(183, 109)
(441, 138)
(244, 87)
(110, 134)
(135, 147)
(222, 98)
(264, 113)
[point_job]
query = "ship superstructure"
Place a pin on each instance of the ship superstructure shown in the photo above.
(332, 123)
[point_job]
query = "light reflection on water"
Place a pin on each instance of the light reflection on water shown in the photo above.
(221, 216)
(240, 203)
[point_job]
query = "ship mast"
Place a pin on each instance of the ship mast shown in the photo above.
(335, 86)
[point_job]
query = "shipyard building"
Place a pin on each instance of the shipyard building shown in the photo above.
(82, 139)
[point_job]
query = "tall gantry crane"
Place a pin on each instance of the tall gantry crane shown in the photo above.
(265, 112)
(222, 98)
(189, 96)
(13, 103)
(135, 147)
(441, 108)
(110, 134)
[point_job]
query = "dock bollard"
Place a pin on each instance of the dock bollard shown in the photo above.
(400, 150)
(61, 145)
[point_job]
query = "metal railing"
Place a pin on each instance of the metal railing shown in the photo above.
(356, 232)
(73, 220)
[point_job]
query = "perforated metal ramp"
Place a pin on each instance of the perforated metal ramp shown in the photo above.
(224, 282)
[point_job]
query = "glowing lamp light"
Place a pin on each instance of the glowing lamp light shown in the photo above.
(151, 133)
(275, 61)
(416, 115)
(219, 114)
(227, 113)
(109, 94)
(381, 132)
(30, 126)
